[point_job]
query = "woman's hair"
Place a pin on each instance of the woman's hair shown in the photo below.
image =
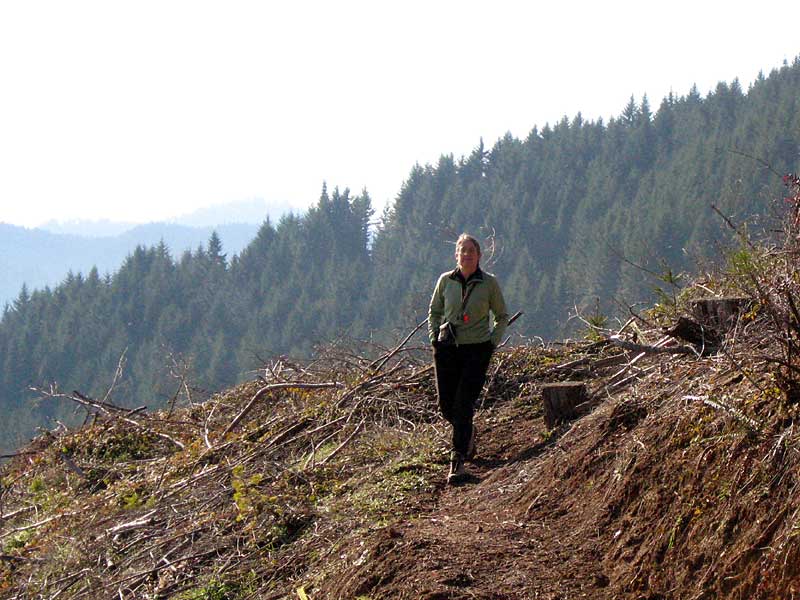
(465, 237)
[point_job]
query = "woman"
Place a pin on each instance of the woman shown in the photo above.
(464, 298)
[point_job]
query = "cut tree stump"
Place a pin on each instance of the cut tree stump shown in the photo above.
(719, 313)
(694, 333)
(560, 401)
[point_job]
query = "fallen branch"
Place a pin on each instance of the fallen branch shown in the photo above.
(343, 444)
(268, 388)
(291, 430)
(143, 521)
(751, 424)
(658, 348)
(619, 377)
(385, 359)
(10, 558)
(19, 511)
(71, 580)
(157, 568)
(572, 365)
(639, 373)
(154, 432)
(206, 439)
(733, 226)
(366, 384)
(590, 362)
(99, 404)
(107, 408)
(5, 534)
(117, 376)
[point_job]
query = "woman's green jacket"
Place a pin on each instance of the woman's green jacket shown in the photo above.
(485, 317)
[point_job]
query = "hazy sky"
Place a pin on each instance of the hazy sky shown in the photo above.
(144, 110)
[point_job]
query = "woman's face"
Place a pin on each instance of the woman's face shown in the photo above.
(467, 257)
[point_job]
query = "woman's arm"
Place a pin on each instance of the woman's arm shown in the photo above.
(436, 310)
(498, 307)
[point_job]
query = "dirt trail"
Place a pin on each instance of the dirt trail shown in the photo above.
(485, 538)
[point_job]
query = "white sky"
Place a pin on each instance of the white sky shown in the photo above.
(144, 110)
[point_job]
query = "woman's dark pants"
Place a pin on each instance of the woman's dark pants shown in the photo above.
(460, 375)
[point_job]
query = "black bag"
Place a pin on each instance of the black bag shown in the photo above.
(447, 334)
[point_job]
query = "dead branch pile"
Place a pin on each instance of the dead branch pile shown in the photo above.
(227, 482)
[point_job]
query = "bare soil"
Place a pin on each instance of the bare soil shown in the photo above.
(652, 495)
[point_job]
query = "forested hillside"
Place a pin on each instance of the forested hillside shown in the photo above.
(39, 258)
(576, 211)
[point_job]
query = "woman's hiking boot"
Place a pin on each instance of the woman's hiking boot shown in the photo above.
(457, 471)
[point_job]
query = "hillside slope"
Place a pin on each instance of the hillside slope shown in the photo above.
(651, 496)
(679, 481)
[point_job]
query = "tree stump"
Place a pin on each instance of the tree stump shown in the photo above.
(560, 401)
(694, 333)
(719, 313)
